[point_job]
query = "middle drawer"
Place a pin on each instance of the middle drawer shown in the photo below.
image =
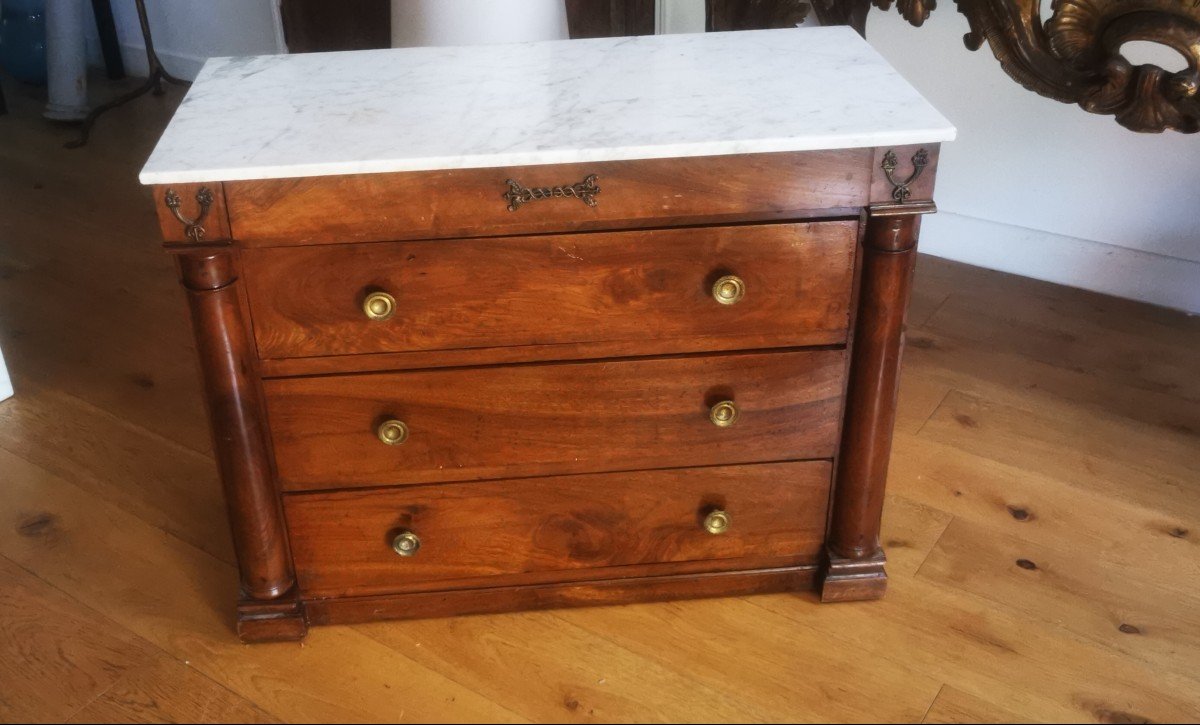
(428, 426)
(734, 287)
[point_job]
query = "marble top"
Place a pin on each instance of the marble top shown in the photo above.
(658, 96)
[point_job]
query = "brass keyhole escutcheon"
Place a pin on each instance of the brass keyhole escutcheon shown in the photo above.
(729, 290)
(723, 414)
(717, 522)
(392, 432)
(406, 543)
(379, 306)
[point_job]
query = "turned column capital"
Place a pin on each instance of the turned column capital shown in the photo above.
(893, 227)
(207, 270)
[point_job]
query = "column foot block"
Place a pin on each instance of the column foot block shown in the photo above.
(279, 620)
(854, 580)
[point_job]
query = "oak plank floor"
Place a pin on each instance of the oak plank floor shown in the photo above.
(1042, 523)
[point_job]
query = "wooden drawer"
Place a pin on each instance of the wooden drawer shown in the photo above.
(582, 525)
(471, 202)
(526, 420)
(639, 287)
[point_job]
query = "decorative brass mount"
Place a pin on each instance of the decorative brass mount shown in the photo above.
(900, 190)
(585, 191)
(191, 227)
(1075, 55)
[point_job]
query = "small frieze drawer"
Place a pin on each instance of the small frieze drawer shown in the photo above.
(550, 198)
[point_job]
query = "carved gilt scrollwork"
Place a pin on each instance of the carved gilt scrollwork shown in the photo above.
(854, 12)
(914, 11)
(1076, 55)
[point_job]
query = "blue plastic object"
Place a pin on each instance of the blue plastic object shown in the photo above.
(23, 40)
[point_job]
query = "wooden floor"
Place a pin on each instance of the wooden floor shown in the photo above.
(1043, 527)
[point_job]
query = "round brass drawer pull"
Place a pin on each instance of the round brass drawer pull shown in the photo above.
(723, 414)
(379, 306)
(406, 543)
(729, 290)
(717, 522)
(392, 432)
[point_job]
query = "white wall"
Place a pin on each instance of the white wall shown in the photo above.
(476, 22)
(680, 16)
(1045, 189)
(187, 32)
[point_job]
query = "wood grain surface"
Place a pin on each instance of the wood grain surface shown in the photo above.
(463, 202)
(342, 541)
(523, 420)
(651, 290)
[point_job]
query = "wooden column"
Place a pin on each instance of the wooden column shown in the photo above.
(855, 568)
(269, 608)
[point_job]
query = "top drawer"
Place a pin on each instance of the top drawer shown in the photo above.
(475, 202)
(670, 290)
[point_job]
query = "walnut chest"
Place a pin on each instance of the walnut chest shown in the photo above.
(549, 324)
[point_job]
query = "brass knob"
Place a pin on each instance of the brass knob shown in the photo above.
(723, 414)
(717, 522)
(406, 543)
(729, 290)
(379, 306)
(392, 432)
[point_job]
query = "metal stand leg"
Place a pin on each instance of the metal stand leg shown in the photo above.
(106, 28)
(153, 84)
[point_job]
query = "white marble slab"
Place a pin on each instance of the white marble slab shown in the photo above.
(539, 103)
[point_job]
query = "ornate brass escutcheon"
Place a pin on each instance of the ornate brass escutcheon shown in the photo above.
(191, 227)
(900, 190)
(585, 191)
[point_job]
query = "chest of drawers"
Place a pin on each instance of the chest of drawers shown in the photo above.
(473, 344)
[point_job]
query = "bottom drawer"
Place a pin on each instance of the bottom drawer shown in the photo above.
(558, 528)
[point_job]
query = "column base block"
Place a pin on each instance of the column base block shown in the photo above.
(854, 580)
(280, 620)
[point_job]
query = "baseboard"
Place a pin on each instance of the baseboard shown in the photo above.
(1082, 263)
(181, 65)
